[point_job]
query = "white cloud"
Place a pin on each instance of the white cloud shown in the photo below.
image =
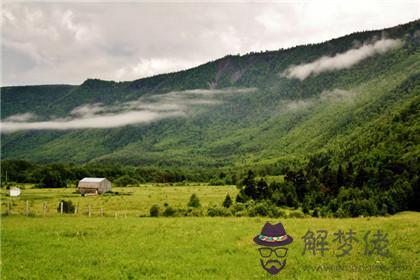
(102, 121)
(144, 110)
(338, 95)
(341, 60)
(296, 105)
(79, 30)
(21, 117)
(48, 42)
(153, 66)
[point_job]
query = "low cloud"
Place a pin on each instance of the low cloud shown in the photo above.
(333, 96)
(338, 95)
(297, 105)
(341, 60)
(21, 117)
(144, 110)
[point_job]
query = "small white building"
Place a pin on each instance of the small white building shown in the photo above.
(94, 185)
(14, 192)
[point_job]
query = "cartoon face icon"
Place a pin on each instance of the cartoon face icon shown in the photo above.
(273, 254)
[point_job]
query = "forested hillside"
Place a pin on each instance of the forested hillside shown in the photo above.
(238, 111)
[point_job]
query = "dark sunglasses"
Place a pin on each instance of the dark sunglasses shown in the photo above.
(266, 252)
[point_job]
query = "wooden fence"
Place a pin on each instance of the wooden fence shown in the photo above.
(35, 209)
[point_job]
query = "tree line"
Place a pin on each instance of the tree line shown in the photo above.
(347, 190)
(59, 175)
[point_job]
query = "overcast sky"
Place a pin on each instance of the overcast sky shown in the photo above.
(67, 42)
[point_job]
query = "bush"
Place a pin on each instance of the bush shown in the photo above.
(125, 180)
(154, 211)
(194, 212)
(217, 182)
(169, 212)
(227, 202)
(217, 211)
(281, 213)
(194, 201)
(296, 214)
(68, 206)
(241, 198)
(263, 208)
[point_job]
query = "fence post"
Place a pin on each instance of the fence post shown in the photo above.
(27, 208)
(76, 208)
(8, 208)
(61, 208)
(89, 210)
(102, 212)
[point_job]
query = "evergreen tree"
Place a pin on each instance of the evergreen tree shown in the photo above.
(227, 202)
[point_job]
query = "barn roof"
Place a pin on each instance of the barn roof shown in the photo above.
(92, 180)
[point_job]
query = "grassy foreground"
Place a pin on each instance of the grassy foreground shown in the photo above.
(79, 247)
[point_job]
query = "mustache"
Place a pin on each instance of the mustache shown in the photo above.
(273, 269)
(277, 262)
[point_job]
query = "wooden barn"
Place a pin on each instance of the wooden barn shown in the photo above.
(94, 185)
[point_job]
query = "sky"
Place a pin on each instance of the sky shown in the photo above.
(65, 42)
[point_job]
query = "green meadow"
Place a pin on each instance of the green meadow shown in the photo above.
(129, 246)
(127, 201)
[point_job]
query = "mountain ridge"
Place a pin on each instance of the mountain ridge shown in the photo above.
(282, 120)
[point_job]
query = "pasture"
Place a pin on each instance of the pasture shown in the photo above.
(127, 201)
(130, 246)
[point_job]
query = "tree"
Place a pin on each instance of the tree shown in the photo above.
(68, 206)
(194, 201)
(262, 190)
(53, 179)
(340, 177)
(154, 210)
(227, 202)
(125, 180)
(362, 178)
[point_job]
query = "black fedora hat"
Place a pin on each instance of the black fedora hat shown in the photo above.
(273, 235)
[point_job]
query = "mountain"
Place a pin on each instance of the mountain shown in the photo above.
(353, 98)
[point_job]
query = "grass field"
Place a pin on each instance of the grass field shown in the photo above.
(79, 247)
(130, 201)
(131, 246)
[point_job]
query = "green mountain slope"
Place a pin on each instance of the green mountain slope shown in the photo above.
(368, 110)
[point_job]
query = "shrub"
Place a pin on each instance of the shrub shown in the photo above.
(195, 212)
(325, 212)
(217, 211)
(281, 213)
(242, 198)
(194, 201)
(169, 212)
(239, 207)
(263, 208)
(227, 202)
(154, 211)
(217, 182)
(296, 214)
(125, 180)
(68, 206)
